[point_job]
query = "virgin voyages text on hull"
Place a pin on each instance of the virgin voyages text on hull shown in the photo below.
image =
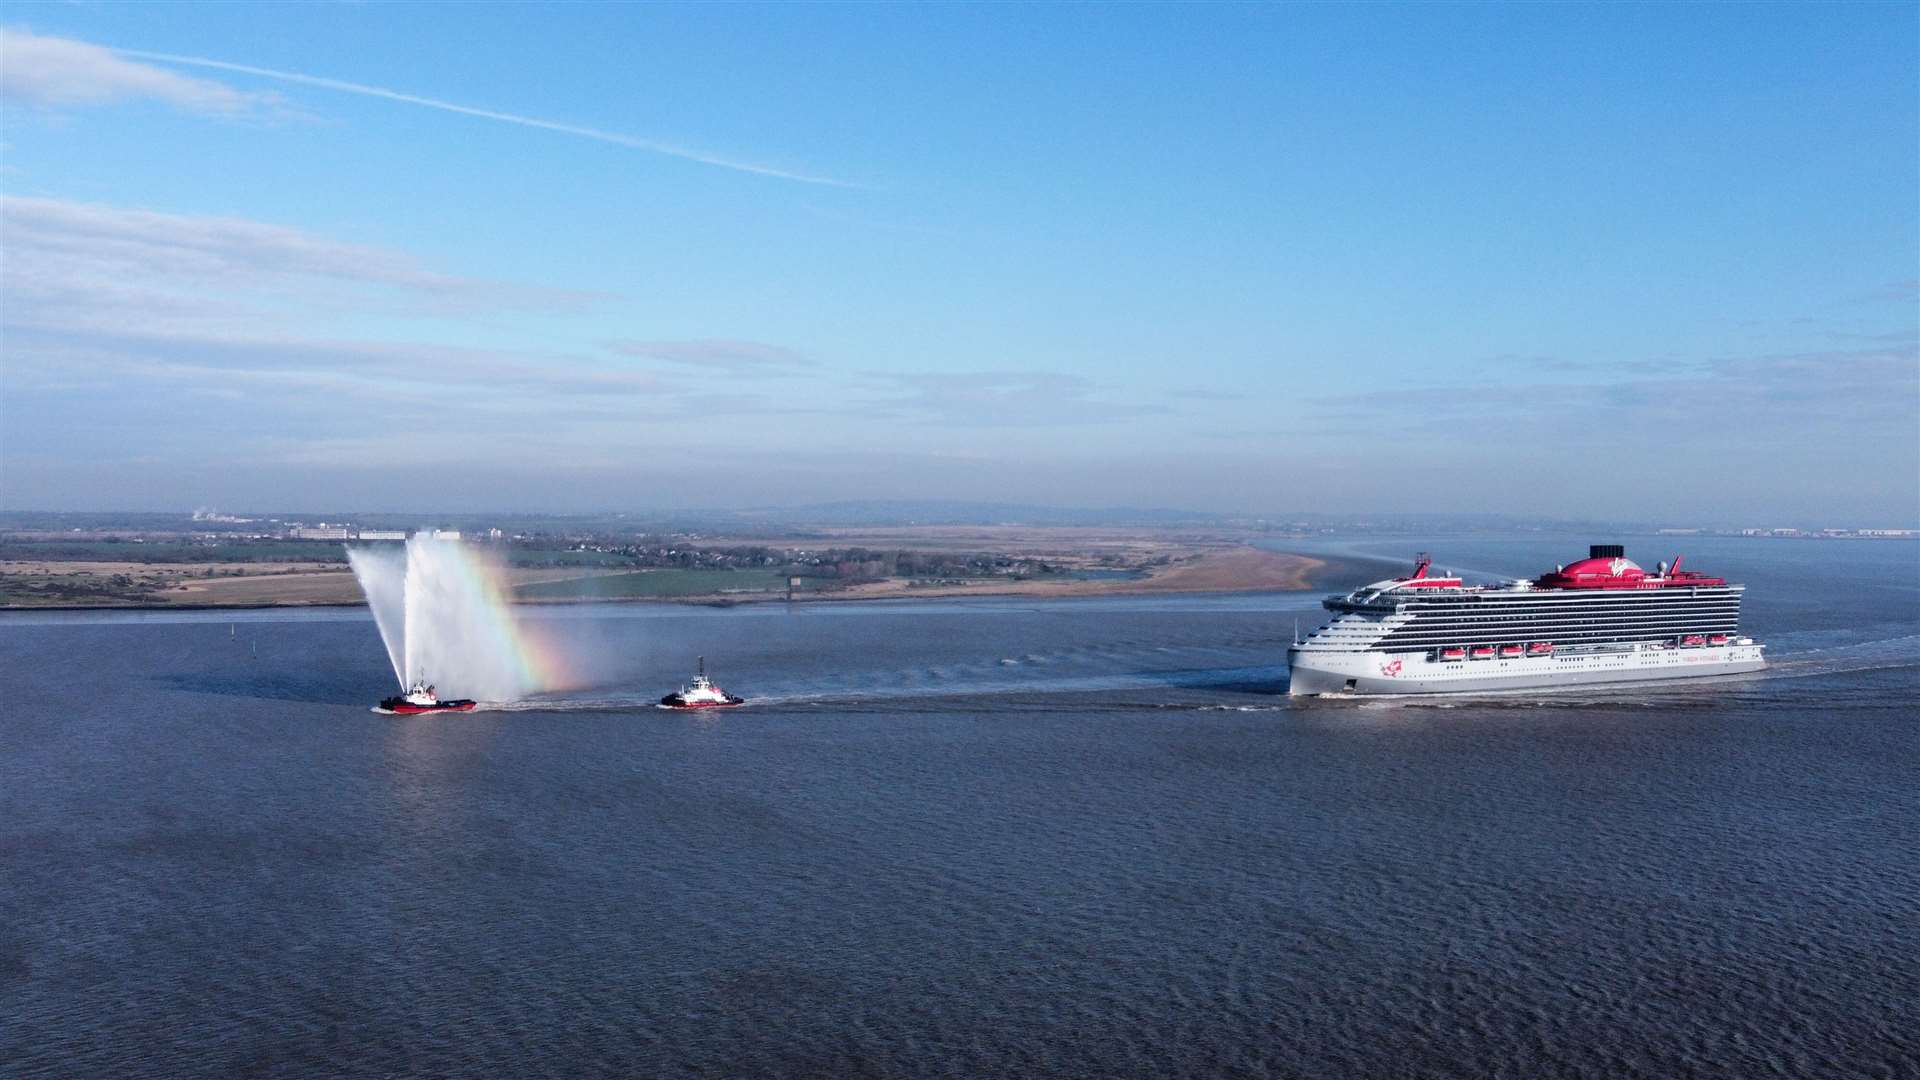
(1602, 619)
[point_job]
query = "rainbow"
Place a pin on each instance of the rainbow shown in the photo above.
(445, 614)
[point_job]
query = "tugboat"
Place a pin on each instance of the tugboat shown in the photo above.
(701, 694)
(422, 699)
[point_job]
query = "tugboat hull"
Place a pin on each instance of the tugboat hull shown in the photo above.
(674, 701)
(403, 707)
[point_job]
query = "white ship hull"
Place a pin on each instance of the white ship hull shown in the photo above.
(1370, 672)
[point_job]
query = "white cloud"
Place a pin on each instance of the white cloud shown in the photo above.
(60, 73)
(89, 266)
(651, 145)
(719, 354)
(432, 376)
(123, 305)
(1832, 397)
(1904, 291)
(1002, 399)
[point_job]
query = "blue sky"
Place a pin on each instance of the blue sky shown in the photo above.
(1630, 261)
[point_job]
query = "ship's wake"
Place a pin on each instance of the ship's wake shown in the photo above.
(1891, 652)
(968, 681)
(1202, 677)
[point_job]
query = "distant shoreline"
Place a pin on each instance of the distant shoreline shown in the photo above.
(1189, 569)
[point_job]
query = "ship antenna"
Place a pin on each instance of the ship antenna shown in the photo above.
(1296, 629)
(703, 665)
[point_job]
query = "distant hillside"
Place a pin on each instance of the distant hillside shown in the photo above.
(795, 521)
(949, 512)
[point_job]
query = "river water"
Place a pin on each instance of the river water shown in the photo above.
(966, 838)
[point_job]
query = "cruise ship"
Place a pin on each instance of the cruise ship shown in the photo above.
(1601, 619)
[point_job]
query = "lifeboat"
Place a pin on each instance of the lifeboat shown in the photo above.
(422, 699)
(1693, 641)
(1718, 639)
(1453, 652)
(1540, 648)
(1481, 652)
(700, 694)
(1508, 652)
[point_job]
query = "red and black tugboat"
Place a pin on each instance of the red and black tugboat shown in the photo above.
(422, 699)
(701, 694)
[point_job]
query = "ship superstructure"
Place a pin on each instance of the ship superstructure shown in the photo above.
(1602, 619)
(700, 694)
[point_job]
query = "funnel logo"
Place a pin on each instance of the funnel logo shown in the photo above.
(1390, 668)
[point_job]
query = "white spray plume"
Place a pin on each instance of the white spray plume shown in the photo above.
(444, 616)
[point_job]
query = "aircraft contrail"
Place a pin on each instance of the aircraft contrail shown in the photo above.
(488, 114)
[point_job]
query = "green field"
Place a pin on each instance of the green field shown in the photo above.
(175, 551)
(654, 583)
(522, 556)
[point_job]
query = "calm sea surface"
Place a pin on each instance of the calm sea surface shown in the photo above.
(966, 838)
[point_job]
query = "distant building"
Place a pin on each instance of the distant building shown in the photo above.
(322, 532)
(207, 513)
(383, 534)
(446, 534)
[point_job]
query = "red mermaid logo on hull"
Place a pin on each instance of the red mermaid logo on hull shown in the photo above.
(1390, 668)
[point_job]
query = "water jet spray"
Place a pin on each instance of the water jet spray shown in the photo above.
(445, 618)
